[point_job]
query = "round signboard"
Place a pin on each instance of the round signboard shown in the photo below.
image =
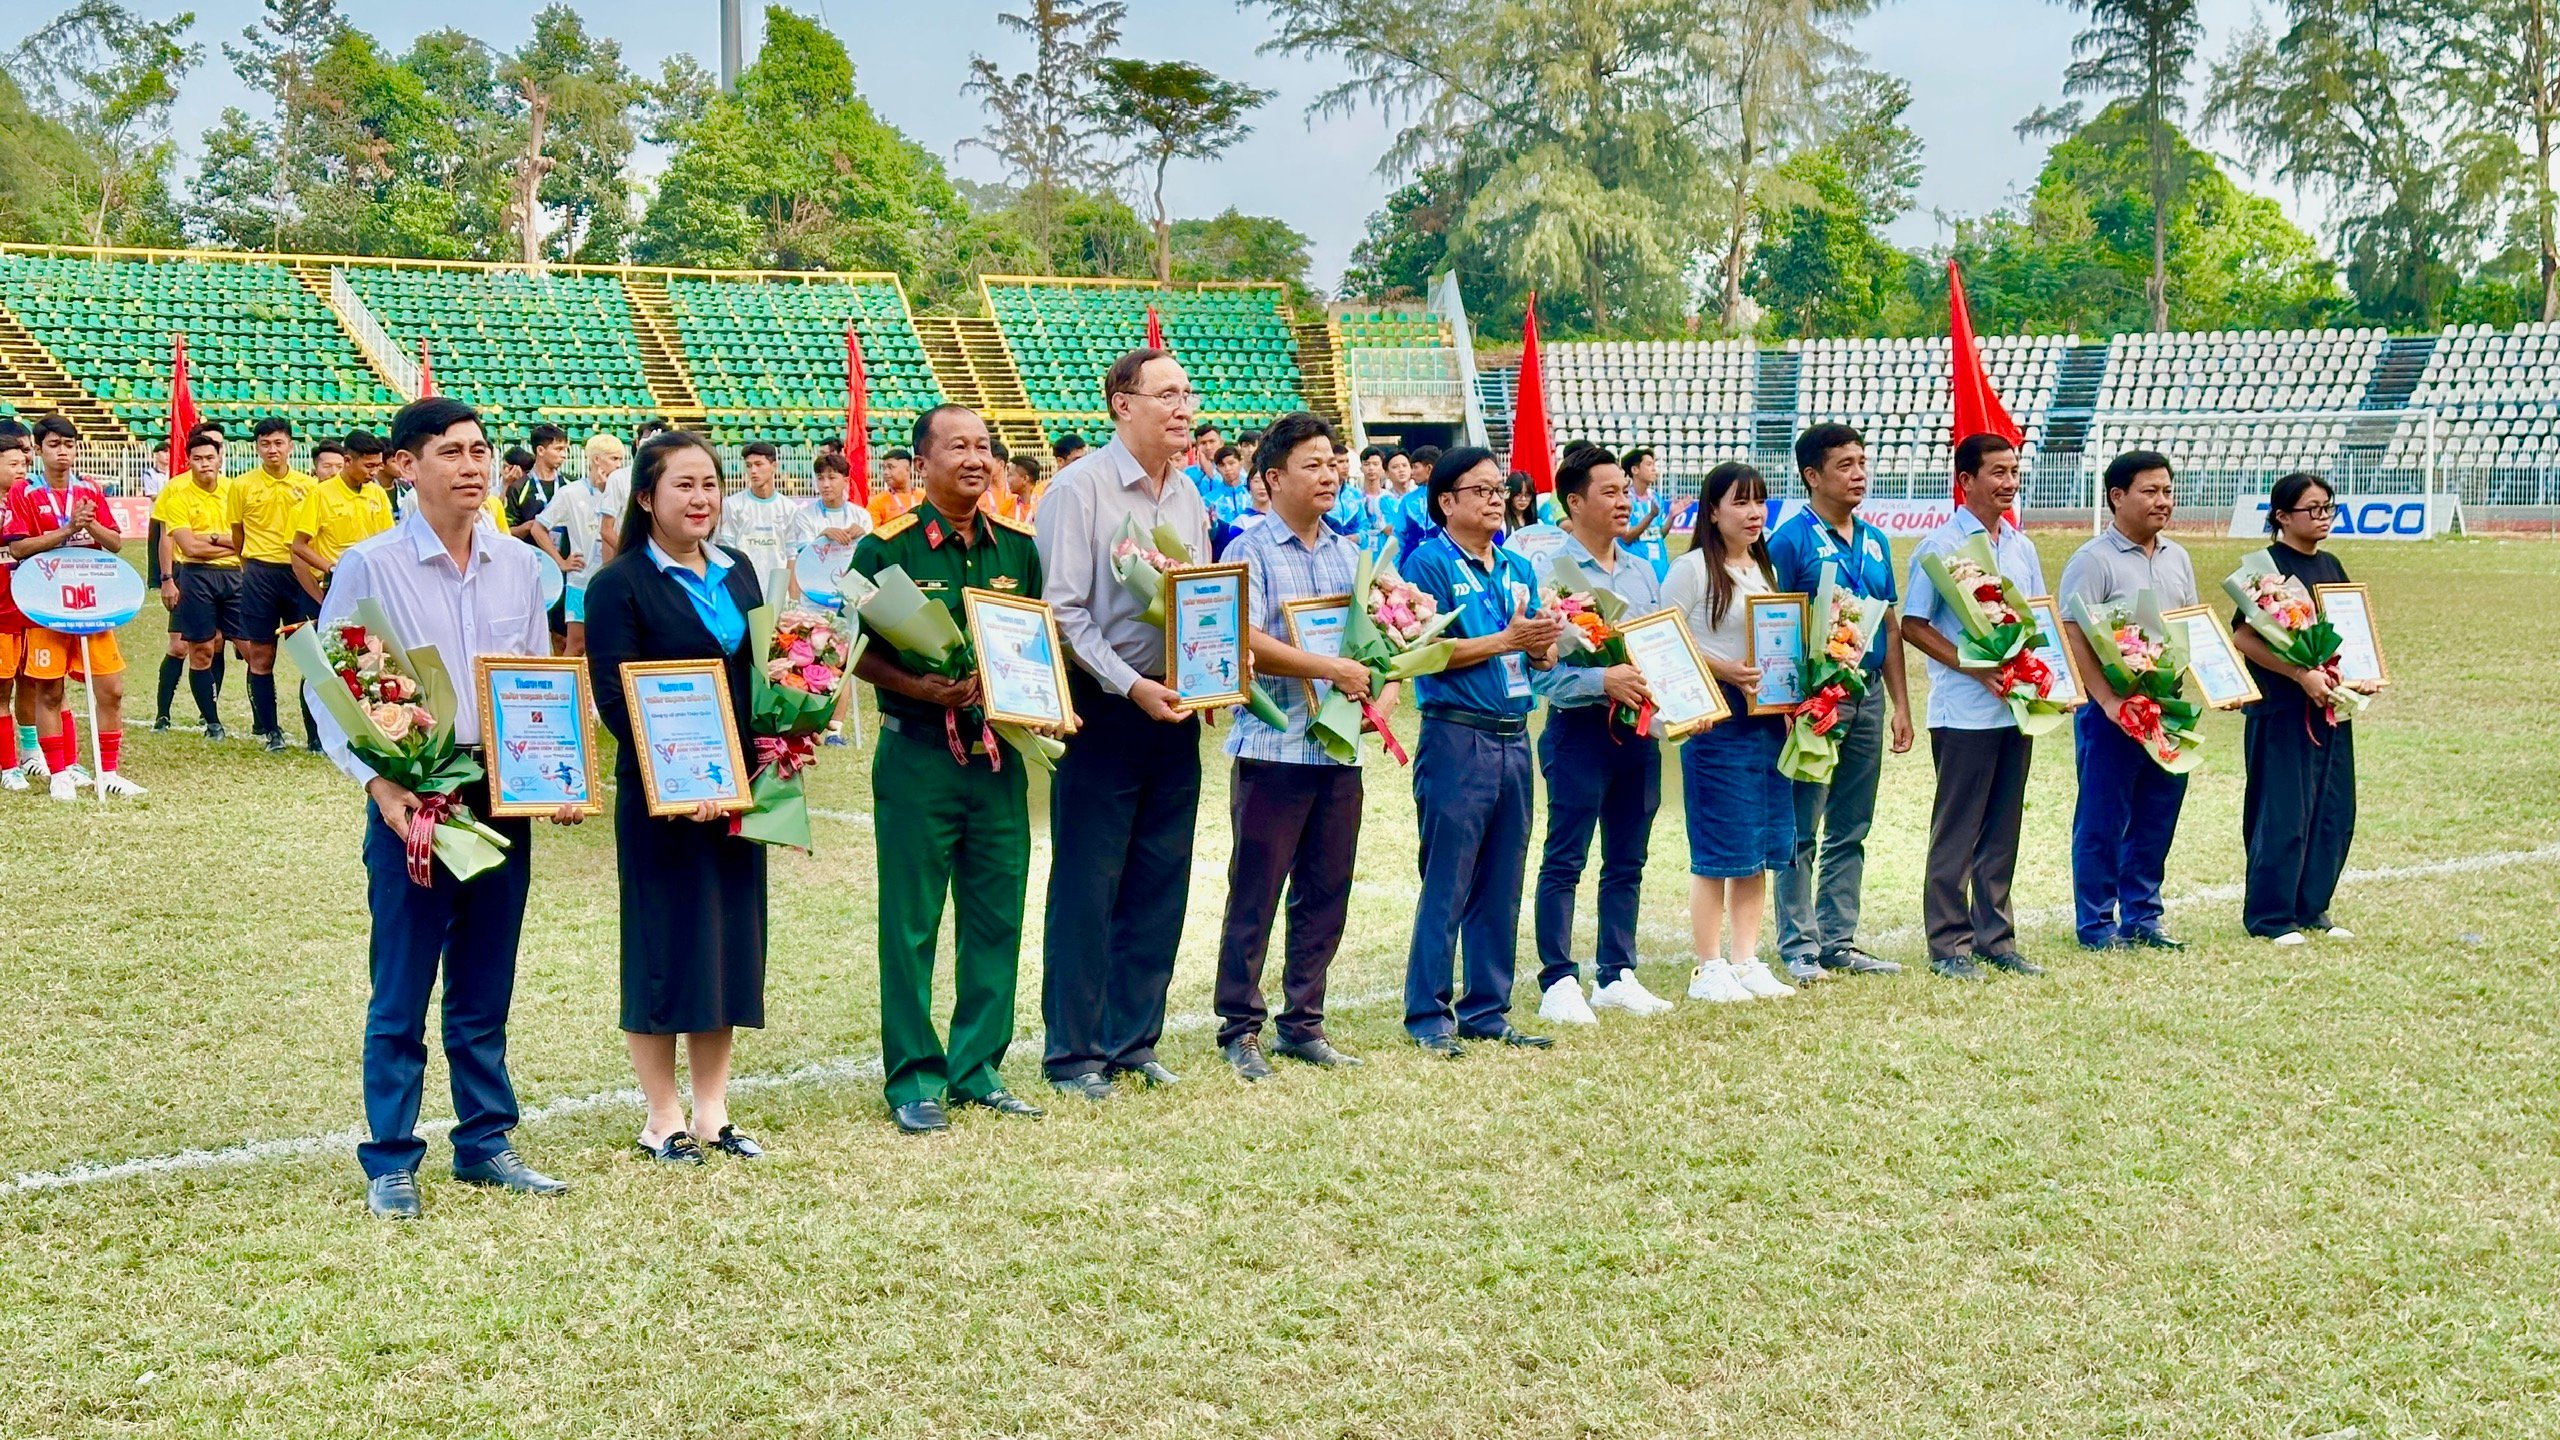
(76, 591)
(553, 581)
(820, 566)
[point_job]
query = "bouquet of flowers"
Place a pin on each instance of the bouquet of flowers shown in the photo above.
(1591, 614)
(1393, 629)
(396, 706)
(2283, 613)
(2000, 632)
(929, 640)
(1843, 630)
(1141, 560)
(2145, 661)
(797, 689)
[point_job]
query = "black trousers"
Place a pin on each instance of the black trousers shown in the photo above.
(2297, 817)
(1121, 811)
(1299, 826)
(1603, 782)
(1973, 841)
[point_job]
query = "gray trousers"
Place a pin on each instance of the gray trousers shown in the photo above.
(1818, 893)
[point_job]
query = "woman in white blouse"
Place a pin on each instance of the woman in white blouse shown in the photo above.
(1741, 811)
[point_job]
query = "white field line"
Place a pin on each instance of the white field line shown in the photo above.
(851, 1070)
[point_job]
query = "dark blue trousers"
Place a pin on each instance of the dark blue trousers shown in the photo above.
(2120, 833)
(1471, 793)
(1596, 780)
(468, 932)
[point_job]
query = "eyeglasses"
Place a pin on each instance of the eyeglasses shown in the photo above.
(1171, 399)
(2316, 512)
(1478, 492)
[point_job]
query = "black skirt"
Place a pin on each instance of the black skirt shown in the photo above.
(693, 916)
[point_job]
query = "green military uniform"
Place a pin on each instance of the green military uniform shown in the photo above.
(948, 827)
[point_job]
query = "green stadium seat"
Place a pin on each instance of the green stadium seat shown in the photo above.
(1235, 342)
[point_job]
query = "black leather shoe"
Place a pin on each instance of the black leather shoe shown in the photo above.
(160, 725)
(1245, 1054)
(1957, 967)
(506, 1170)
(2154, 940)
(274, 741)
(1151, 1074)
(215, 731)
(677, 1149)
(2013, 962)
(1854, 961)
(738, 1146)
(393, 1196)
(1005, 1102)
(1444, 1046)
(1514, 1037)
(2102, 946)
(1093, 1085)
(1316, 1051)
(920, 1117)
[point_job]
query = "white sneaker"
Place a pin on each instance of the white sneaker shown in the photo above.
(1564, 1005)
(115, 784)
(1628, 994)
(2341, 932)
(2290, 937)
(65, 788)
(1753, 975)
(79, 774)
(13, 779)
(32, 766)
(1713, 980)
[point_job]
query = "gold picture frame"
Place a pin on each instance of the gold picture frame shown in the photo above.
(484, 672)
(1690, 684)
(738, 794)
(2225, 683)
(1192, 577)
(2361, 607)
(1290, 611)
(975, 602)
(2048, 617)
(1758, 606)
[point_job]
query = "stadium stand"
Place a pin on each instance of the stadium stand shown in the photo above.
(2495, 395)
(2224, 395)
(1691, 400)
(1896, 391)
(258, 341)
(558, 346)
(1402, 365)
(767, 355)
(1235, 341)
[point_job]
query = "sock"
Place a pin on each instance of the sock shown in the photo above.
(8, 746)
(70, 739)
(262, 702)
(208, 700)
(27, 739)
(110, 749)
(310, 727)
(217, 672)
(171, 667)
(57, 751)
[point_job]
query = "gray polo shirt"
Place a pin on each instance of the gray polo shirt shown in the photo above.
(1080, 516)
(2111, 570)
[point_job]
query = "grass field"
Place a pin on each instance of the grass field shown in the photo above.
(2229, 1194)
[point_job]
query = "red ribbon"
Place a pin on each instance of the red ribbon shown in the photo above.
(2328, 708)
(2027, 668)
(1823, 707)
(1386, 736)
(2140, 718)
(786, 756)
(421, 839)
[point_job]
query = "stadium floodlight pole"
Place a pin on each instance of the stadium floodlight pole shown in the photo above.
(732, 46)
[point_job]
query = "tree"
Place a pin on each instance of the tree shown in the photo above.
(2140, 50)
(1775, 54)
(1820, 268)
(108, 78)
(1040, 123)
(1235, 246)
(2498, 67)
(274, 57)
(572, 102)
(42, 166)
(1172, 110)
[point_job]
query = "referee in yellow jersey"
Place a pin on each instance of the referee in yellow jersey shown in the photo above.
(338, 512)
(201, 585)
(264, 503)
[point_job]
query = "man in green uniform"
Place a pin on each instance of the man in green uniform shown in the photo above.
(949, 797)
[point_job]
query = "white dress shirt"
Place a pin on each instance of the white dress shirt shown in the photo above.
(1728, 639)
(494, 608)
(1079, 519)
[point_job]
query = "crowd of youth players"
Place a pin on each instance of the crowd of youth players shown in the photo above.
(674, 560)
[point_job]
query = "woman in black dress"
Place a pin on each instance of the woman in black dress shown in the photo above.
(693, 895)
(2298, 811)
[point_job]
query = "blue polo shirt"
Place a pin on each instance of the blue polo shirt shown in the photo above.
(1805, 547)
(1413, 522)
(1483, 598)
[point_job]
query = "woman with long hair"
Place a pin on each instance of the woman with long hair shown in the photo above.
(1519, 503)
(1741, 811)
(2298, 809)
(693, 894)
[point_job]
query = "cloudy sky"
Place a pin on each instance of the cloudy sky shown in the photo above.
(1975, 67)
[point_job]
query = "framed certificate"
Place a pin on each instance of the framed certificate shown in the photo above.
(1686, 698)
(1777, 648)
(1206, 659)
(2349, 611)
(1022, 667)
(2212, 657)
(687, 735)
(2055, 652)
(1316, 626)
(538, 733)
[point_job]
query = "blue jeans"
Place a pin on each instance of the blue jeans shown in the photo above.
(1600, 780)
(2120, 834)
(1471, 793)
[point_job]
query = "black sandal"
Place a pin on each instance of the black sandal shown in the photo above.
(733, 1143)
(677, 1149)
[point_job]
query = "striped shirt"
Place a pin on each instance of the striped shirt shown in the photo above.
(1286, 568)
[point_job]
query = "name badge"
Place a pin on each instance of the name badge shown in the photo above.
(1515, 675)
(932, 586)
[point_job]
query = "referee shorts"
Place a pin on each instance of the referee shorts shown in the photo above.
(52, 656)
(208, 604)
(271, 601)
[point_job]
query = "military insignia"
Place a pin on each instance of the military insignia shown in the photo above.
(933, 534)
(1005, 582)
(1019, 527)
(896, 527)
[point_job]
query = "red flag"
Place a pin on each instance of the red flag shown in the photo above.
(182, 407)
(857, 418)
(1530, 451)
(426, 372)
(1155, 330)
(1978, 410)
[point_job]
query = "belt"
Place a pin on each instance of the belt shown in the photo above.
(1484, 720)
(922, 734)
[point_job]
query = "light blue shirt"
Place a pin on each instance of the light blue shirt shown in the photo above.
(1568, 685)
(1957, 702)
(709, 591)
